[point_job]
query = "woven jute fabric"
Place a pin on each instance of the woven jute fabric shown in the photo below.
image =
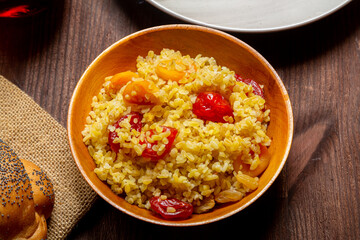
(34, 135)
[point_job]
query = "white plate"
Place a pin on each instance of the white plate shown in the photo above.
(249, 15)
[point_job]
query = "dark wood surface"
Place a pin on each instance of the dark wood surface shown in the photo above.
(317, 195)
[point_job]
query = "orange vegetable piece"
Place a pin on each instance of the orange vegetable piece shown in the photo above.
(169, 74)
(121, 79)
(166, 70)
(264, 163)
(141, 92)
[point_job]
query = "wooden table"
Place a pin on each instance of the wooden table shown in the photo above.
(317, 195)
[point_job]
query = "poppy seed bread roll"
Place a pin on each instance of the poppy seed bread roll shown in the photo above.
(23, 206)
(42, 188)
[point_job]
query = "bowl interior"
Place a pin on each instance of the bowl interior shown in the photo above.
(192, 40)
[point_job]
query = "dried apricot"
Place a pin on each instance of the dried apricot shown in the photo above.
(141, 92)
(121, 79)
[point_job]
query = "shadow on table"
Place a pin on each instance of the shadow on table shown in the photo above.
(297, 46)
(145, 14)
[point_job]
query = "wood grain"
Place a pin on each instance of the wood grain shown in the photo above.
(316, 196)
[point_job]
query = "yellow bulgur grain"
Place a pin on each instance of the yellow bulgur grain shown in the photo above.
(200, 167)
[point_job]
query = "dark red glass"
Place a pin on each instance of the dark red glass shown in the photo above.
(21, 8)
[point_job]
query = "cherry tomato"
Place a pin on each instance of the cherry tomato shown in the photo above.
(135, 122)
(179, 209)
(150, 153)
(212, 106)
(257, 90)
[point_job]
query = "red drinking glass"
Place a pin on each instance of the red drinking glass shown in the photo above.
(21, 8)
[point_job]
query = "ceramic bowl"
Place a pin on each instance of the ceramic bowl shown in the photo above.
(192, 40)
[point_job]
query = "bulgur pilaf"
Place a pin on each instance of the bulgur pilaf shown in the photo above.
(147, 141)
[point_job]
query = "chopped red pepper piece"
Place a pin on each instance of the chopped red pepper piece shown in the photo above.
(135, 123)
(171, 208)
(149, 152)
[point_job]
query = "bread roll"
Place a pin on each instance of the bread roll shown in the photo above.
(42, 188)
(26, 197)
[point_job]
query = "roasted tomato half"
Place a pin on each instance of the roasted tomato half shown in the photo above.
(257, 90)
(171, 208)
(213, 107)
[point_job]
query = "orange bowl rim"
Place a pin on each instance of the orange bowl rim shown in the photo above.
(229, 37)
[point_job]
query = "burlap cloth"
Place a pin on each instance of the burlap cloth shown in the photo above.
(34, 135)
